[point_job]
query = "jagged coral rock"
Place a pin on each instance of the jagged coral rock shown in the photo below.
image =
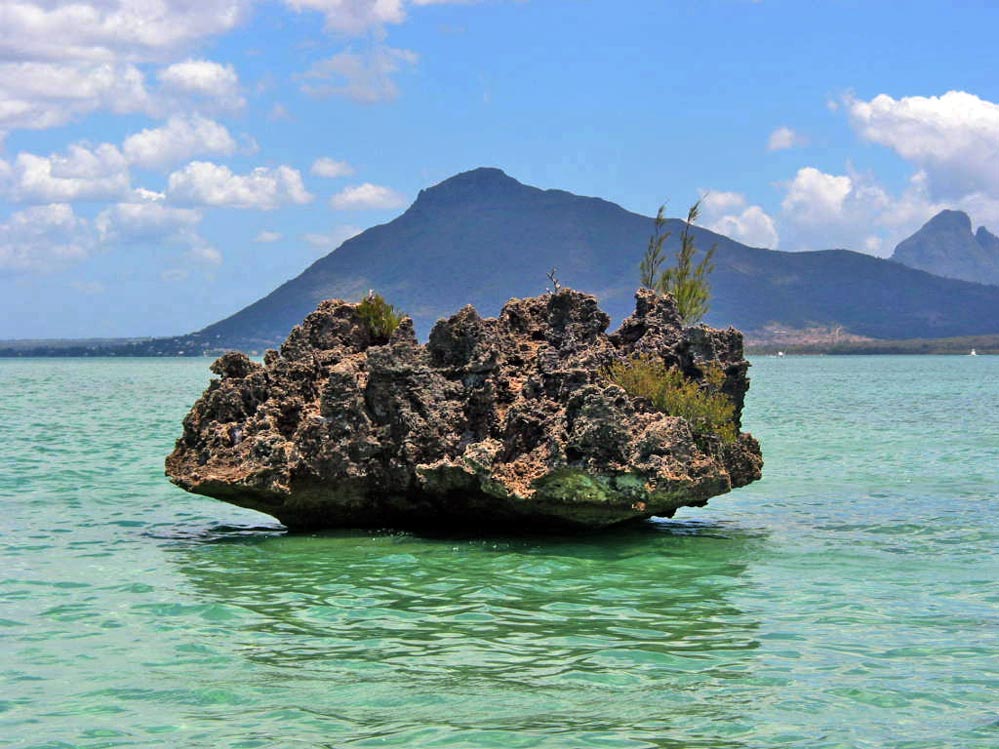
(506, 421)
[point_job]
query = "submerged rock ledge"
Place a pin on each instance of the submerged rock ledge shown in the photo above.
(497, 422)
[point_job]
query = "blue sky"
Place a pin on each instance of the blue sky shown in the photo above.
(165, 162)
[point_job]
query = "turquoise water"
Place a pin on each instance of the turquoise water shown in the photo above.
(850, 599)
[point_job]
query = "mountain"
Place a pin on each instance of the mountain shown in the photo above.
(946, 246)
(482, 237)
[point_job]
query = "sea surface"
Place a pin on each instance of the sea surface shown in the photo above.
(850, 599)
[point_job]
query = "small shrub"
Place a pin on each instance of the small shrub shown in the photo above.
(703, 405)
(380, 317)
(685, 280)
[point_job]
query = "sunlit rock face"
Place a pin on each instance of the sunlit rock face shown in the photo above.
(508, 422)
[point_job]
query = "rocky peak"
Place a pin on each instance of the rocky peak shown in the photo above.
(478, 186)
(946, 246)
(948, 220)
(987, 239)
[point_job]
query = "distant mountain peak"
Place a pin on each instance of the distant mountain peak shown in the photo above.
(947, 218)
(986, 238)
(946, 246)
(480, 175)
(476, 185)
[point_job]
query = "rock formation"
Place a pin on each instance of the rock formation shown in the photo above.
(498, 422)
(946, 246)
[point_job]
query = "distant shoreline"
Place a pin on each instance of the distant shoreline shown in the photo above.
(959, 346)
(188, 346)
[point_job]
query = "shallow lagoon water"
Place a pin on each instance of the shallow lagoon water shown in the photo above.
(849, 599)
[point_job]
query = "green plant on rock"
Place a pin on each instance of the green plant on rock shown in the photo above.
(702, 404)
(380, 317)
(687, 281)
(649, 270)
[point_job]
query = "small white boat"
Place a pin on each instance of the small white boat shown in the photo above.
(973, 353)
(780, 353)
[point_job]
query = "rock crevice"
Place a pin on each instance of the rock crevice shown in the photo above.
(506, 421)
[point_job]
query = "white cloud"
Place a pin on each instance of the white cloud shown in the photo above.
(817, 198)
(218, 83)
(36, 95)
(953, 138)
(332, 239)
(205, 255)
(142, 195)
(719, 201)
(267, 236)
(206, 183)
(952, 144)
(105, 30)
(823, 211)
(82, 173)
(147, 222)
(178, 140)
(784, 138)
(904, 213)
(43, 238)
(39, 95)
(728, 214)
(358, 17)
(854, 211)
(60, 61)
(365, 197)
(365, 77)
(354, 17)
(873, 244)
(327, 167)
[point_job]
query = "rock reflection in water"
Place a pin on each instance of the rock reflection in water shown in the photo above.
(546, 637)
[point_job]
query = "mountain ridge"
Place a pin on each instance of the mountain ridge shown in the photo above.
(482, 237)
(514, 233)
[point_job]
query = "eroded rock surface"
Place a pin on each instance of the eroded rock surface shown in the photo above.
(506, 421)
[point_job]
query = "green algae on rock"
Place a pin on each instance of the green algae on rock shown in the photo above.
(496, 422)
